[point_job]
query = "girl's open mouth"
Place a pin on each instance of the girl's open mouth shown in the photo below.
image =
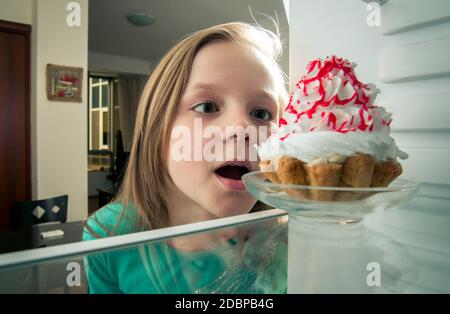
(230, 174)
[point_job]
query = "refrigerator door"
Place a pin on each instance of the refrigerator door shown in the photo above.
(402, 47)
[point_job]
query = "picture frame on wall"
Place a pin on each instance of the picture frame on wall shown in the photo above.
(64, 83)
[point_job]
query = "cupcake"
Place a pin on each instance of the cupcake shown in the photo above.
(331, 134)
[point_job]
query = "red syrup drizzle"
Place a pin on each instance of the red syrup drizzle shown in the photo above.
(325, 71)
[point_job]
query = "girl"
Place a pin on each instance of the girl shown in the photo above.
(222, 76)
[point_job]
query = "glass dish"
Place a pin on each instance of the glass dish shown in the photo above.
(334, 204)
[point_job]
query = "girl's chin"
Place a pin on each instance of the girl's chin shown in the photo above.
(232, 209)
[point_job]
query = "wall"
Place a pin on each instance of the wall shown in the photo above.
(20, 11)
(59, 129)
(103, 62)
(414, 83)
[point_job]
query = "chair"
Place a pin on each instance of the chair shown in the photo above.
(29, 213)
(119, 166)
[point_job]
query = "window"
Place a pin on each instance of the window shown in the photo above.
(104, 122)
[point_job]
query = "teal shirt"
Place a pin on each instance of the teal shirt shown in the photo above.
(260, 266)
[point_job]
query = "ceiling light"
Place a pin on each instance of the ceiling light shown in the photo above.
(140, 19)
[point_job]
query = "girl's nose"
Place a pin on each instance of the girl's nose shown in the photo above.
(237, 126)
(235, 135)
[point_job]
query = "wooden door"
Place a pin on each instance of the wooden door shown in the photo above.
(15, 162)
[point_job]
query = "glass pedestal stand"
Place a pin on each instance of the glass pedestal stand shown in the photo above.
(342, 256)
(330, 250)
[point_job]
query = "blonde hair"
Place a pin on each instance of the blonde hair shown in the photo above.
(147, 178)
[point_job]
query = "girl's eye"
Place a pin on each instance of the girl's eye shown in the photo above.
(206, 107)
(262, 114)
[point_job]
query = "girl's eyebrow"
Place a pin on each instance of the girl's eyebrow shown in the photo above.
(265, 94)
(198, 86)
(205, 86)
(210, 86)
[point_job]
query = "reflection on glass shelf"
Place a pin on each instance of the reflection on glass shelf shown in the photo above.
(56, 277)
(241, 258)
(338, 258)
(399, 251)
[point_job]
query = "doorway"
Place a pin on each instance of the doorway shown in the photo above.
(15, 161)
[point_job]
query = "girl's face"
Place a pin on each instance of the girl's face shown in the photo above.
(231, 85)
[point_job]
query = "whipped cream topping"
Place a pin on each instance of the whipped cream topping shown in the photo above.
(312, 146)
(331, 112)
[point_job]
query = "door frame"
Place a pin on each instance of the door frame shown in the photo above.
(24, 29)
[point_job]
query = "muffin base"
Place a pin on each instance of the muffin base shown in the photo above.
(357, 171)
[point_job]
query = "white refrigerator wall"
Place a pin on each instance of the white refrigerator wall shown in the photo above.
(407, 58)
